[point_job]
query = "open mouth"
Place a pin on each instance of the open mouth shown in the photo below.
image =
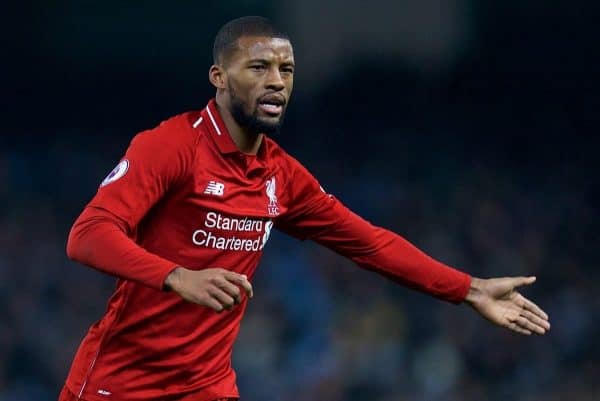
(271, 105)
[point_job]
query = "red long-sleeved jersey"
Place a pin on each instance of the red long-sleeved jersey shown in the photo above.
(183, 195)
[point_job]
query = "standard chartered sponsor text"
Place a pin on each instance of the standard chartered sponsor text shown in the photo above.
(207, 238)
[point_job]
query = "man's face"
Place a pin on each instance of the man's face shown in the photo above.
(259, 77)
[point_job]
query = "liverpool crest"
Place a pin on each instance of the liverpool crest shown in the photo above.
(272, 207)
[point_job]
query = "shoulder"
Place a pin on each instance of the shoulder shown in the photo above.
(298, 178)
(174, 132)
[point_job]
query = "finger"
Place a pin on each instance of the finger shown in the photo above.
(535, 319)
(214, 304)
(224, 299)
(241, 280)
(231, 289)
(520, 281)
(530, 306)
(528, 325)
(518, 329)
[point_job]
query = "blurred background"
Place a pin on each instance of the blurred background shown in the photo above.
(469, 127)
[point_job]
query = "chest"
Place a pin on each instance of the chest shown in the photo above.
(224, 212)
(236, 185)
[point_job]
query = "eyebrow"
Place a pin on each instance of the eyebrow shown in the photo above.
(265, 61)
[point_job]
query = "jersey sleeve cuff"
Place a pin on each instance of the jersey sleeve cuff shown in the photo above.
(165, 271)
(463, 289)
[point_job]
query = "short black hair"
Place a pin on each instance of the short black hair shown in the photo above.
(228, 35)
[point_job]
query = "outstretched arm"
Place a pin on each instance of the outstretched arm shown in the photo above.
(498, 301)
(320, 217)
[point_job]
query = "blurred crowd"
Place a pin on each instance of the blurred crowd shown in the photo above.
(488, 164)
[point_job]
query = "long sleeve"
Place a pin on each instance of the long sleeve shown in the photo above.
(103, 236)
(318, 216)
(98, 239)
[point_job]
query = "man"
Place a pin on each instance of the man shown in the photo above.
(183, 219)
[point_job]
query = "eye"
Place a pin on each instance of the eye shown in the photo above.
(257, 67)
(288, 70)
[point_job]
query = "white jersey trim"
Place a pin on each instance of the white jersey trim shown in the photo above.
(213, 121)
(197, 123)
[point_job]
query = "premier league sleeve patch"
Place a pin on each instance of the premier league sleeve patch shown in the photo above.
(119, 171)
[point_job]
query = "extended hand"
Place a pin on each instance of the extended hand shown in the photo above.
(498, 301)
(216, 288)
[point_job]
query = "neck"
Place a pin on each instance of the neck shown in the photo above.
(247, 142)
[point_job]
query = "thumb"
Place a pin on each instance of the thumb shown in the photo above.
(520, 281)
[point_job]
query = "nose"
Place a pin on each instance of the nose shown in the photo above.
(274, 80)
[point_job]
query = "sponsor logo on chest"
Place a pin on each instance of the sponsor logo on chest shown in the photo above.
(233, 233)
(237, 233)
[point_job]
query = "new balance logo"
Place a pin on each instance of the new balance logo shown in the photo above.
(214, 188)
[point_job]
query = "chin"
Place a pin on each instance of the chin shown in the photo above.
(268, 128)
(272, 121)
(269, 124)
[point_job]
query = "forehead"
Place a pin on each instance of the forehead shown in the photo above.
(261, 47)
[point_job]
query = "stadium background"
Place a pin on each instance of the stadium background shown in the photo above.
(469, 127)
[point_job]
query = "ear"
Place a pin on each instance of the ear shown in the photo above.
(216, 76)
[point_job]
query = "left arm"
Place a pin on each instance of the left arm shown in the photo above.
(320, 217)
(333, 225)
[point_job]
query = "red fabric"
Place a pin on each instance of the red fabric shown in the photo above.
(66, 395)
(315, 215)
(188, 197)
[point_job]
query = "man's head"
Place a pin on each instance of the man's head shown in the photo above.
(253, 72)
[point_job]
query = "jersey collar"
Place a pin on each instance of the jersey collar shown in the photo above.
(222, 137)
(217, 128)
